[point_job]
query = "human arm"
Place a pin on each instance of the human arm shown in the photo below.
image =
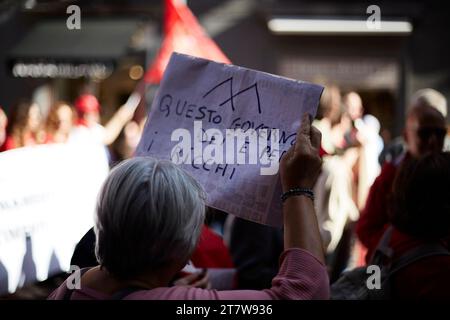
(120, 118)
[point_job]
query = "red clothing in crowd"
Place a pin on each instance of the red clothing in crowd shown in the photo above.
(374, 218)
(211, 251)
(30, 140)
(427, 278)
(8, 144)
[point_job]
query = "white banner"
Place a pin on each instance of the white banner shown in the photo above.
(48, 195)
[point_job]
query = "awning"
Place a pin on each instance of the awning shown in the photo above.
(51, 50)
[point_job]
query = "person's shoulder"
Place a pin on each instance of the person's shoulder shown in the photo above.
(427, 267)
(58, 293)
(174, 293)
(431, 279)
(388, 168)
(385, 178)
(388, 171)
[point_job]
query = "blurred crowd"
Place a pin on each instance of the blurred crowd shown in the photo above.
(66, 122)
(366, 191)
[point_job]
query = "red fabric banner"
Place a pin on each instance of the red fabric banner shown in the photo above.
(183, 34)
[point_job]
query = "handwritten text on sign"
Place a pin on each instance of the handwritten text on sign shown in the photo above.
(228, 126)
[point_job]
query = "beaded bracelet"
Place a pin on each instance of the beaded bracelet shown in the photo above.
(297, 192)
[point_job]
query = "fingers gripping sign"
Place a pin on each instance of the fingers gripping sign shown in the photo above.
(301, 164)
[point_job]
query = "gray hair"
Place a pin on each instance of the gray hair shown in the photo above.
(149, 215)
(431, 98)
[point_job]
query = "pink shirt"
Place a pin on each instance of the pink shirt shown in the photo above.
(301, 277)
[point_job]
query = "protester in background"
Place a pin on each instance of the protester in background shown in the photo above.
(353, 105)
(420, 214)
(329, 116)
(424, 133)
(353, 112)
(3, 124)
(359, 151)
(60, 122)
(361, 134)
(352, 145)
(149, 218)
(25, 127)
(424, 97)
(88, 111)
(431, 98)
(126, 143)
(371, 144)
(334, 189)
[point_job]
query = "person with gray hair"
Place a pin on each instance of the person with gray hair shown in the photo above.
(149, 214)
(148, 222)
(431, 98)
(421, 98)
(424, 133)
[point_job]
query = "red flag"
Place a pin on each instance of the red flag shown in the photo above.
(182, 33)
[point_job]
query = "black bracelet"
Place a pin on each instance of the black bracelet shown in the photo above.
(297, 192)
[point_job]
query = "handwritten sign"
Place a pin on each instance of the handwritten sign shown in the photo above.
(228, 126)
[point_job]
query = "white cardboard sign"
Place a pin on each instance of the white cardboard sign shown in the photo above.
(200, 104)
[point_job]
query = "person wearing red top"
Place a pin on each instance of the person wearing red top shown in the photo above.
(25, 127)
(420, 214)
(424, 132)
(373, 220)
